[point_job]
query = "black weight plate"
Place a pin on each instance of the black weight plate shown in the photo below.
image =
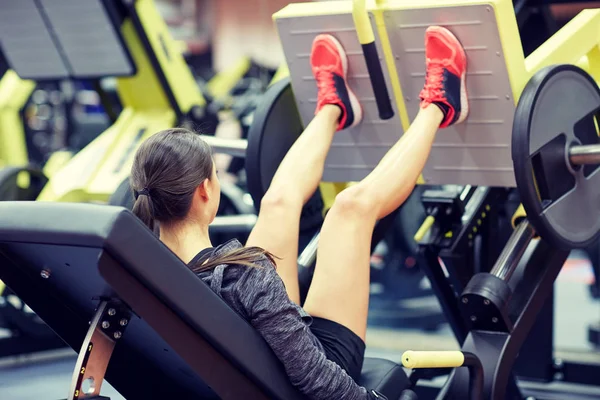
(275, 127)
(556, 111)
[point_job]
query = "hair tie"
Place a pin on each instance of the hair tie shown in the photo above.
(143, 192)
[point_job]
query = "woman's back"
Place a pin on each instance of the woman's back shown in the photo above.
(258, 295)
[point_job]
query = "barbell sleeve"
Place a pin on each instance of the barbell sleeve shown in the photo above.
(309, 255)
(584, 155)
(233, 147)
(514, 249)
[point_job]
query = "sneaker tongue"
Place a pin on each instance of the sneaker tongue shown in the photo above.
(435, 71)
(325, 81)
(443, 62)
(325, 68)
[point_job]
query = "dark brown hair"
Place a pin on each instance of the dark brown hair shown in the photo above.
(167, 169)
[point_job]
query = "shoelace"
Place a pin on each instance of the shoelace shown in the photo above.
(433, 89)
(326, 85)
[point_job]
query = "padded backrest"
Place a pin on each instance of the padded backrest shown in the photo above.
(69, 248)
(147, 259)
(136, 250)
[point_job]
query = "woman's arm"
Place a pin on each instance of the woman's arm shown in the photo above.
(271, 312)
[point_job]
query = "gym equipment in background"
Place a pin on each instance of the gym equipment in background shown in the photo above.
(14, 93)
(127, 40)
(46, 120)
(466, 228)
(11, 187)
(147, 335)
(16, 173)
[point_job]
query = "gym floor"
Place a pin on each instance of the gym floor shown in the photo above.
(48, 375)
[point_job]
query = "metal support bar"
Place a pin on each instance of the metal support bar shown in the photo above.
(584, 155)
(513, 251)
(106, 328)
(309, 255)
(233, 147)
(445, 293)
(233, 223)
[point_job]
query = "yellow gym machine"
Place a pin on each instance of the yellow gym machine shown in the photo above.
(14, 93)
(156, 88)
(160, 93)
(18, 179)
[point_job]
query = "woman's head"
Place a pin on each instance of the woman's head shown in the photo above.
(174, 179)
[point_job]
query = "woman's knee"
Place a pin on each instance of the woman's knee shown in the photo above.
(355, 201)
(279, 200)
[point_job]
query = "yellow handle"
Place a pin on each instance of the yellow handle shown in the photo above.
(433, 359)
(362, 23)
(425, 227)
(2, 286)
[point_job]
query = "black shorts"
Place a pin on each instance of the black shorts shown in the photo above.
(341, 345)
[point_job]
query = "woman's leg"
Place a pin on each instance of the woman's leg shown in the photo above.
(340, 286)
(299, 174)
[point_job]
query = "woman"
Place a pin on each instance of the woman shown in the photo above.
(321, 344)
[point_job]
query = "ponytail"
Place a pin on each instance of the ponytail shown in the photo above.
(246, 256)
(142, 208)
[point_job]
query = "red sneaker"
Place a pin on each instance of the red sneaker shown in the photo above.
(445, 79)
(330, 66)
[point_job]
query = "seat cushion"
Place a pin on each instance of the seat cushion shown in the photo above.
(384, 376)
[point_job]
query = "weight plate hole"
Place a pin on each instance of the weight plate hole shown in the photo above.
(552, 175)
(88, 386)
